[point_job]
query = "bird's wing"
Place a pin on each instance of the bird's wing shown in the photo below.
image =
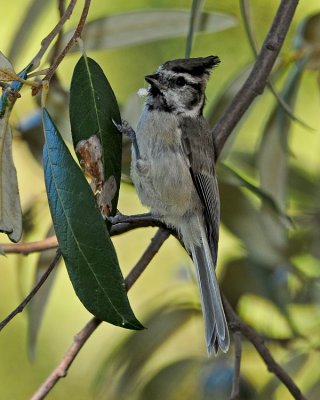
(198, 147)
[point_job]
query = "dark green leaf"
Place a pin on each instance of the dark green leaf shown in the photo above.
(83, 237)
(93, 106)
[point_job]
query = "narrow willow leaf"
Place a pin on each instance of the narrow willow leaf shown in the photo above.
(98, 144)
(194, 24)
(227, 174)
(245, 221)
(82, 234)
(37, 306)
(10, 208)
(273, 158)
(140, 27)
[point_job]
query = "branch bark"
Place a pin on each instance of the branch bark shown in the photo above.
(258, 77)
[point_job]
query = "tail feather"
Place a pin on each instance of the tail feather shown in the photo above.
(216, 328)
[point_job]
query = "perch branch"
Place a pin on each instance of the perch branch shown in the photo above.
(81, 338)
(31, 247)
(236, 325)
(257, 80)
(27, 300)
(125, 223)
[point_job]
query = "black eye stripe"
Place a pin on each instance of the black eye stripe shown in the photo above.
(174, 82)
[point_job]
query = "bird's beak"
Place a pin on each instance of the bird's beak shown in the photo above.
(153, 80)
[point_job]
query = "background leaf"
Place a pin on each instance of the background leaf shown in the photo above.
(38, 304)
(146, 26)
(10, 208)
(25, 29)
(84, 242)
(93, 106)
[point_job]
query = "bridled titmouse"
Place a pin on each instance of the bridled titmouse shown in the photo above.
(173, 171)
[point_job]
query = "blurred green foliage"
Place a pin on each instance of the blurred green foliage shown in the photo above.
(269, 182)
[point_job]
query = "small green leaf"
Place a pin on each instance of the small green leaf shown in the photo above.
(146, 26)
(82, 234)
(93, 106)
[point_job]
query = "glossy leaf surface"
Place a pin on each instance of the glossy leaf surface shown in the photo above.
(93, 106)
(82, 234)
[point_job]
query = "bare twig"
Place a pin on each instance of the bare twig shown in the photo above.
(258, 77)
(27, 300)
(237, 325)
(75, 36)
(56, 47)
(81, 338)
(32, 247)
(35, 62)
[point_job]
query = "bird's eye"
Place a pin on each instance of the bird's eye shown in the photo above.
(180, 81)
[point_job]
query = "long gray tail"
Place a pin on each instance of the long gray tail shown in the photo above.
(216, 328)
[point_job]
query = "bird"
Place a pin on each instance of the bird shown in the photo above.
(173, 170)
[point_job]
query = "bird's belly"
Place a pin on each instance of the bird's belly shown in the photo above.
(167, 187)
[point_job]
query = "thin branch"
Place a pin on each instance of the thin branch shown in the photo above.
(75, 36)
(81, 338)
(237, 325)
(32, 247)
(45, 43)
(258, 77)
(235, 394)
(56, 47)
(27, 300)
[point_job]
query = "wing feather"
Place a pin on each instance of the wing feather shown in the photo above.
(198, 147)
